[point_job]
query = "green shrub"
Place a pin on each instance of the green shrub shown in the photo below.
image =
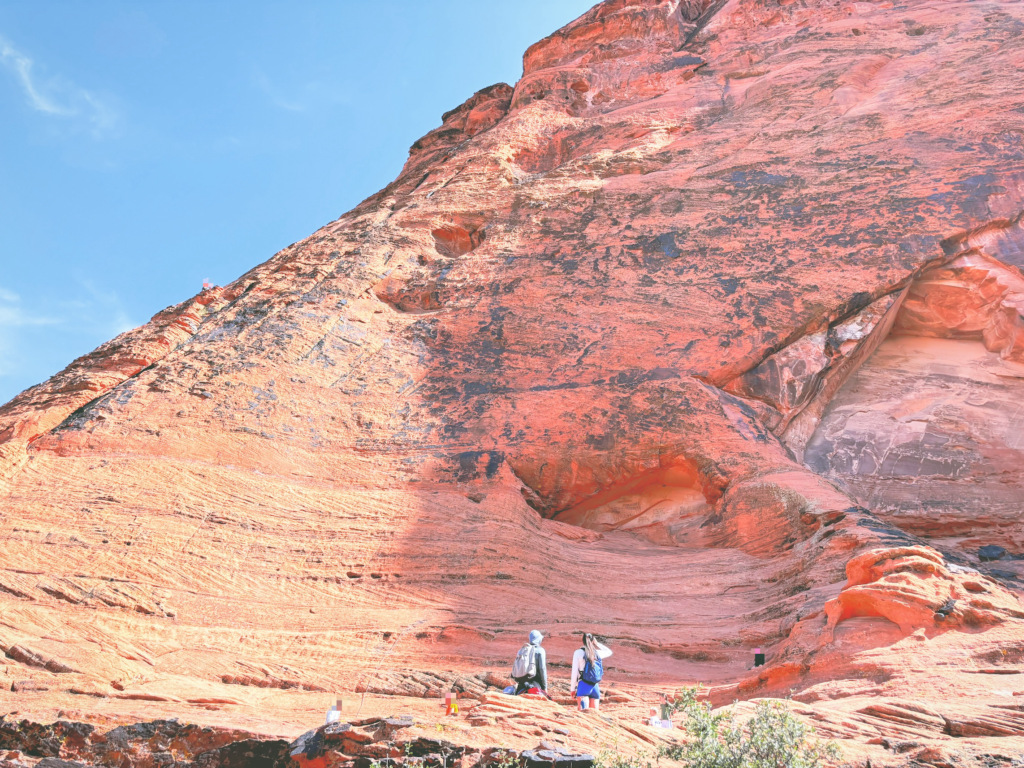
(505, 759)
(772, 738)
(610, 757)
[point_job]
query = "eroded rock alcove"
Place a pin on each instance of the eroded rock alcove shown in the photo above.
(665, 506)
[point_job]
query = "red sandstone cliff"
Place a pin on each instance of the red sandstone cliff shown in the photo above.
(707, 335)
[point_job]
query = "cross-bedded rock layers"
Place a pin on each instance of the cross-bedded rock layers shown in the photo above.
(706, 335)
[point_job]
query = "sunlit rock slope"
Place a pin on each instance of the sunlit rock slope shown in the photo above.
(704, 336)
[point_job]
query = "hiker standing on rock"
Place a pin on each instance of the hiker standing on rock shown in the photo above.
(587, 671)
(530, 670)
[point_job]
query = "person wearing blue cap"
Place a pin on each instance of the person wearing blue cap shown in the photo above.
(530, 670)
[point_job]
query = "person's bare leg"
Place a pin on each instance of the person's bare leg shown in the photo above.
(582, 702)
(595, 703)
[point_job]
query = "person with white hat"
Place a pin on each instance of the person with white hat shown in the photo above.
(530, 670)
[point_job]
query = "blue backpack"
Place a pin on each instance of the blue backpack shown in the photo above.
(593, 671)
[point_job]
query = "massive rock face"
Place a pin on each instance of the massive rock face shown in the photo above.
(716, 300)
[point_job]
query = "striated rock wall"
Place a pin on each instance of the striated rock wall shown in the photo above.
(928, 434)
(39, 409)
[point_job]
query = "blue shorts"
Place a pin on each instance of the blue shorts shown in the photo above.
(585, 690)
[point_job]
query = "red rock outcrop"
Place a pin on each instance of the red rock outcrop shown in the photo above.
(971, 297)
(611, 353)
(905, 585)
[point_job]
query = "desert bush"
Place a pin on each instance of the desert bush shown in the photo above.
(611, 757)
(772, 738)
(505, 759)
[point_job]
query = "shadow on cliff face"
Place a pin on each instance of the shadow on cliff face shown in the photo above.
(927, 432)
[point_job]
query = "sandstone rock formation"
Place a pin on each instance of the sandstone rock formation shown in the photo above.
(163, 742)
(704, 336)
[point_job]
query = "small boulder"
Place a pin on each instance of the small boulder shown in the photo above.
(495, 679)
(393, 725)
(28, 686)
(992, 552)
(547, 756)
(945, 610)
(556, 758)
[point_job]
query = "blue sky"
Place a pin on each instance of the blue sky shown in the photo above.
(145, 146)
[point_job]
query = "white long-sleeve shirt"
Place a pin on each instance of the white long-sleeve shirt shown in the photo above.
(579, 662)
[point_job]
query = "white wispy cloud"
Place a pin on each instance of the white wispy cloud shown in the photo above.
(91, 318)
(56, 96)
(13, 315)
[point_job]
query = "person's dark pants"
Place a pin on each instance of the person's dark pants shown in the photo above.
(526, 685)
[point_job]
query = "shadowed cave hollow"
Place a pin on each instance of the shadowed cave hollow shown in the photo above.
(914, 406)
(665, 506)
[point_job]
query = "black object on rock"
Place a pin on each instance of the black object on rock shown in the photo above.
(991, 552)
(945, 610)
(309, 744)
(556, 758)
